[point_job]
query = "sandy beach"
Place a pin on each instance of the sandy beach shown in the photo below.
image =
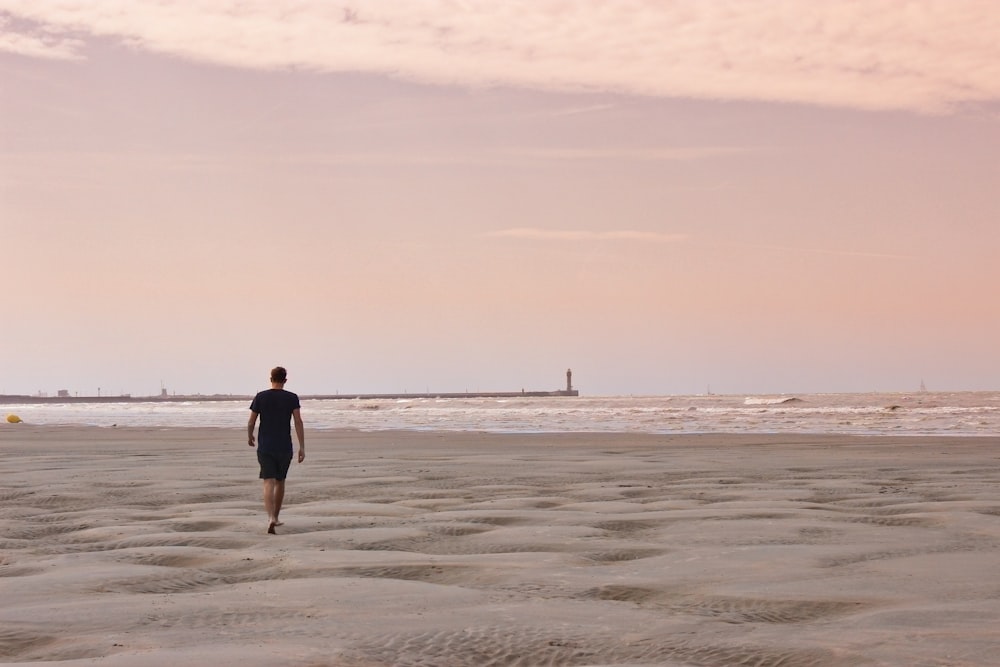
(124, 547)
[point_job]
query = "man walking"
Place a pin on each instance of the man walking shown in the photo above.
(276, 408)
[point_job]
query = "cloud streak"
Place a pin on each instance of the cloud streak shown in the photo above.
(922, 55)
(640, 154)
(838, 253)
(535, 234)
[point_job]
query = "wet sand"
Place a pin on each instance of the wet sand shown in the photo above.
(126, 547)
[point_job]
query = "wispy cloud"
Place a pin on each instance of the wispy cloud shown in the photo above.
(640, 154)
(839, 253)
(536, 234)
(927, 55)
(37, 43)
(579, 235)
(577, 111)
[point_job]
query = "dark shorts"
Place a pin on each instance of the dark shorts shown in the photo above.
(274, 466)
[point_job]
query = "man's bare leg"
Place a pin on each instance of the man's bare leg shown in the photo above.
(278, 498)
(269, 493)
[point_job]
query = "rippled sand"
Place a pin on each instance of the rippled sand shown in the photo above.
(148, 547)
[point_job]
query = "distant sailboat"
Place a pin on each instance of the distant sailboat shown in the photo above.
(923, 387)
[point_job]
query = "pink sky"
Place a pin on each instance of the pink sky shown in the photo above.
(756, 197)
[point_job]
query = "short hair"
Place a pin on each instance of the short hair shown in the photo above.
(278, 374)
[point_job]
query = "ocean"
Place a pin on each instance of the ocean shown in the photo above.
(918, 413)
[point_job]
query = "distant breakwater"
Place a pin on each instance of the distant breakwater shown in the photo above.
(10, 399)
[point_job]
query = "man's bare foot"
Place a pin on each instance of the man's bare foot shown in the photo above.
(279, 523)
(270, 527)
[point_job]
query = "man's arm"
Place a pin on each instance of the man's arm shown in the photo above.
(300, 433)
(250, 426)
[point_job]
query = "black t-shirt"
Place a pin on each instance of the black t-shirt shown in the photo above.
(275, 407)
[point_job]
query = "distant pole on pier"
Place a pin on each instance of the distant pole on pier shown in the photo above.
(569, 379)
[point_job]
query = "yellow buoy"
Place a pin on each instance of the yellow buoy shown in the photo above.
(13, 419)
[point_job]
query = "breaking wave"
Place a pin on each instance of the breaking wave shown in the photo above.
(782, 400)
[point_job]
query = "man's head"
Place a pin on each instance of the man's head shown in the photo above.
(279, 375)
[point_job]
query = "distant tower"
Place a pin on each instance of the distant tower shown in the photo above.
(569, 379)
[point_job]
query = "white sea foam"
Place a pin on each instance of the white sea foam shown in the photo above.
(962, 413)
(760, 400)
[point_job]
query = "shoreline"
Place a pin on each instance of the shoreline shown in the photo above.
(805, 438)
